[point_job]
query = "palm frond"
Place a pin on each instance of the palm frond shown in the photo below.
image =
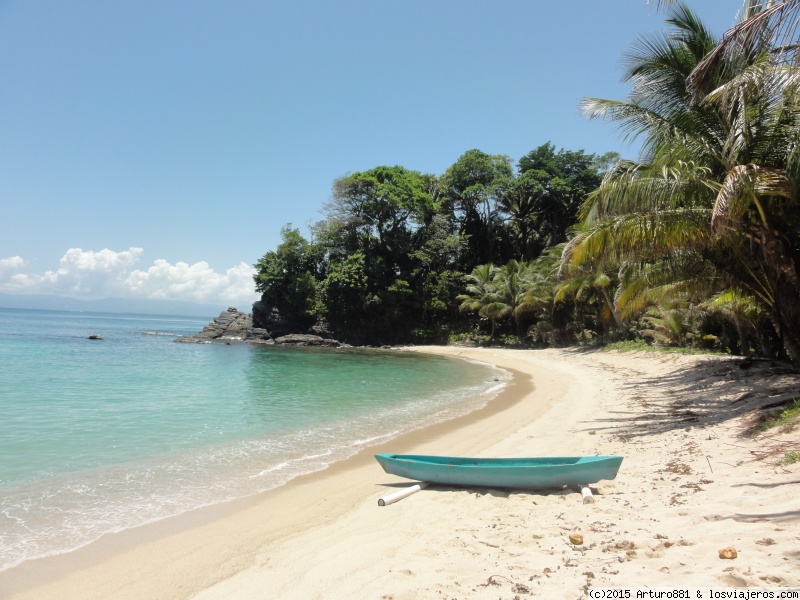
(743, 189)
(773, 25)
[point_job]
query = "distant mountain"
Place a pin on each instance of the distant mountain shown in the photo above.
(114, 305)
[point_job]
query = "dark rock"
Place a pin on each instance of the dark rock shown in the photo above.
(231, 324)
(265, 326)
(256, 334)
(94, 337)
(322, 329)
(304, 339)
(278, 325)
(261, 341)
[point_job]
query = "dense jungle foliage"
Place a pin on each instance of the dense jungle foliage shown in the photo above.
(396, 255)
(695, 243)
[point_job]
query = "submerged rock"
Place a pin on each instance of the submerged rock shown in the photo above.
(305, 339)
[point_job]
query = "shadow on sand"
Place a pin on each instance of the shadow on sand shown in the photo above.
(707, 393)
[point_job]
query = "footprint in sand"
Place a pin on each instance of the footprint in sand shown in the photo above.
(731, 580)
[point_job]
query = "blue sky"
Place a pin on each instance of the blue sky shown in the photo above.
(154, 149)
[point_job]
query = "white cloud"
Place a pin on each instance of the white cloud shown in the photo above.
(105, 261)
(10, 279)
(89, 274)
(11, 264)
(197, 282)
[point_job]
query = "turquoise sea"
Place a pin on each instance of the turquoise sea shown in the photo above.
(100, 436)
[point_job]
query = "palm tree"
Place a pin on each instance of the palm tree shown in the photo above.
(541, 278)
(583, 282)
(745, 314)
(519, 202)
(498, 293)
(719, 178)
(509, 299)
(670, 323)
(480, 294)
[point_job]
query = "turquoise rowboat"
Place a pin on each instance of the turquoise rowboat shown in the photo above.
(518, 473)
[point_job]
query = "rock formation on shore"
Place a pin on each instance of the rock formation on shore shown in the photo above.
(263, 326)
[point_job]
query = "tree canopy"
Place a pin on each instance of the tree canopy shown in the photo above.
(390, 258)
(695, 242)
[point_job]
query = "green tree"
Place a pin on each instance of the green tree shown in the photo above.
(435, 277)
(583, 285)
(510, 298)
(380, 209)
(718, 179)
(550, 324)
(559, 183)
(286, 277)
(471, 190)
(479, 294)
(386, 215)
(543, 201)
(499, 294)
(670, 324)
(343, 294)
(387, 262)
(745, 314)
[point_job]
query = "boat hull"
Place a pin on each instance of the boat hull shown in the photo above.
(518, 473)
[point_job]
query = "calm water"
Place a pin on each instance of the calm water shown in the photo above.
(99, 436)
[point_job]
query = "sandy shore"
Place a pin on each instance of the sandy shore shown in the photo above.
(691, 484)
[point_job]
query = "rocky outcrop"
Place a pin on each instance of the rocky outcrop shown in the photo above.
(264, 326)
(231, 324)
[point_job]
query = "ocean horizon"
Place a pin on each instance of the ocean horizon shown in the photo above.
(99, 436)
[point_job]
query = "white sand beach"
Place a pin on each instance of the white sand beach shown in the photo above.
(691, 483)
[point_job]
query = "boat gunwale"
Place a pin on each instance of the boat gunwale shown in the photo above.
(504, 462)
